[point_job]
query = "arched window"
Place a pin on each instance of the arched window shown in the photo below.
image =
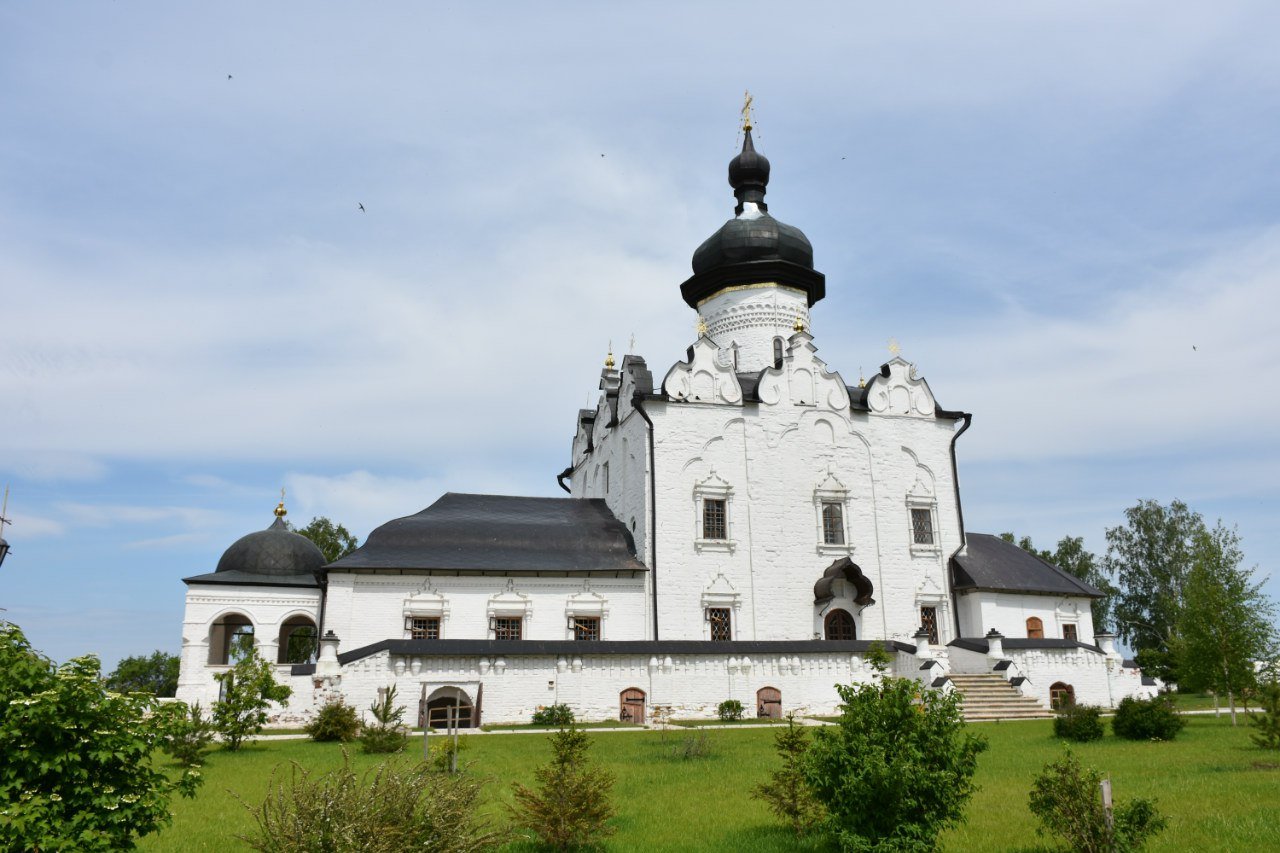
(298, 640)
(1061, 695)
(777, 352)
(230, 639)
(839, 625)
(1035, 628)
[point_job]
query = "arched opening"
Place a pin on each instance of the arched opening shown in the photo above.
(298, 640)
(631, 706)
(230, 639)
(1035, 628)
(769, 703)
(839, 625)
(1061, 695)
(446, 706)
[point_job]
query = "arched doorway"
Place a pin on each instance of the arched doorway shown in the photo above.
(446, 705)
(298, 640)
(839, 625)
(230, 639)
(769, 703)
(1061, 695)
(631, 706)
(1035, 628)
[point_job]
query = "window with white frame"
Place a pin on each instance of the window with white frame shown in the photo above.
(586, 627)
(423, 627)
(831, 500)
(720, 623)
(713, 513)
(832, 523)
(715, 518)
(508, 627)
(921, 526)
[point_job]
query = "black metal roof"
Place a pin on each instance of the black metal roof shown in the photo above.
(517, 648)
(990, 563)
(979, 644)
(500, 533)
(273, 557)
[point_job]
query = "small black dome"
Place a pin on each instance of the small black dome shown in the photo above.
(275, 551)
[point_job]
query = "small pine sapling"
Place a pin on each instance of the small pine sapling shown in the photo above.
(187, 732)
(787, 793)
(1267, 723)
(388, 732)
(571, 806)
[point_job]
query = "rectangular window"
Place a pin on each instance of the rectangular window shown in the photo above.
(721, 628)
(507, 627)
(714, 521)
(586, 627)
(929, 621)
(832, 523)
(1069, 632)
(921, 527)
(606, 478)
(424, 628)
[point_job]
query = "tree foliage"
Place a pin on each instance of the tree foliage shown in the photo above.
(787, 792)
(570, 808)
(1147, 719)
(1073, 558)
(1227, 624)
(897, 768)
(75, 759)
(1267, 723)
(1067, 799)
(248, 689)
(335, 721)
(187, 734)
(333, 540)
(156, 674)
(388, 732)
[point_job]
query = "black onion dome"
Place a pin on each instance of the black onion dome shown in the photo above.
(276, 551)
(752, 247)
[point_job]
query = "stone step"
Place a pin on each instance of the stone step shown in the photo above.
(989, 698)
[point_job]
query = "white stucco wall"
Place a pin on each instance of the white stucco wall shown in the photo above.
(981, 611)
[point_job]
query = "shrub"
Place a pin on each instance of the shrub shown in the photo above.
(1067, 800)
(336, 721)
(442, 753)
(1267, 723)
(896, 769)
(248, 688)
(571, 806)
(1146, 719)
(553, 715)
(729, 709)
(695, 745)
(75, 759)
(787, 792)
(187, 733)
(1080, 723)
(388, 732)
(393, 808)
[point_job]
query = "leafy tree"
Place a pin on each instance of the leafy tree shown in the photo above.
(157, 675)
(1150, 557)
(248, 689)
(333, 540)
(1068, 801)
(1228, 624)
(1073, 558)
(897, 768)
(787, 792)
(570, 808)
(75, 759)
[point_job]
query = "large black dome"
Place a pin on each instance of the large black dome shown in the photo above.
(753, 238)
(274, 552)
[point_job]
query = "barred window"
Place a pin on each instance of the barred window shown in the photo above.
(721, 628)
(507, 627)
(921, 527)
(714, 521)
(832, 523)
(586, 627)
(929, 621)
(1069, 632)
(839, 625)
(424, 628)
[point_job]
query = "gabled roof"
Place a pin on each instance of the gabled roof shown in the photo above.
(990, 563)
(500, 533)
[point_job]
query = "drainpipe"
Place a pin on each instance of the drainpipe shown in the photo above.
(567, 472)
(955, 482)
(322, 578)
(638, 404)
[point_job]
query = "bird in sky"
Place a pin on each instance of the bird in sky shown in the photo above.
(1193, 346)
(361, 206)
(228, 76)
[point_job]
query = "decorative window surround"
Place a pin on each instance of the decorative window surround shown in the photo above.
(831, 490)
(720, 595)
(509, 604)
(713, 488)
(588, 605)
(425, 604)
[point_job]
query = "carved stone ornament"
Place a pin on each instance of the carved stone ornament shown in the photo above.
(803, 379)
(703, 378)
(896, 390)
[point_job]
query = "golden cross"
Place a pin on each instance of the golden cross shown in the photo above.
(701, 328)
(746, 110)
(894, 347)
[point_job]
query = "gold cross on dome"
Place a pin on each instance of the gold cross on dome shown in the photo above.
(701, 328)
(895, 348)
(747, 101)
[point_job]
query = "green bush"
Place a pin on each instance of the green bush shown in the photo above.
(388, 732)
(393, 808)
(442, 751)
(248, 688)
(335, 721)
(1146, 719)
(1268, 722)
(553, 715)
(187, 732)
(729, 709)
(696, 745)
(787, 793)
(896, 769)
(1080, 723)
(1067, 800)
(571, 807)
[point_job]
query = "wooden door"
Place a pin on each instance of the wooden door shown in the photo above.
(632, 706)
(769, 703)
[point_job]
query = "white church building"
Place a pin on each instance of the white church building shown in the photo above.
(742, 524)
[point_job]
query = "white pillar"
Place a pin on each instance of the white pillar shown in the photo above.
(995, 645)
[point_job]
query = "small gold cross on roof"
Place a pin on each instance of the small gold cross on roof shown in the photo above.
(747, 101)
(895, 348)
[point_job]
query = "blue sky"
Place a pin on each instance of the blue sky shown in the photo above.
(1068, 214)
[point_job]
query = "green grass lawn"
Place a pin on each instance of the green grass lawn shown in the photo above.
(1219, 792)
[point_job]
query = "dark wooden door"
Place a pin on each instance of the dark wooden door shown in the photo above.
(769, 703)
(632, 705)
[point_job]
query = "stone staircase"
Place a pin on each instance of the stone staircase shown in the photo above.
(989, 697)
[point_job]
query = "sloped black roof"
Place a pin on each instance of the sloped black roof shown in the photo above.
(990, 563)
(500, 533)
